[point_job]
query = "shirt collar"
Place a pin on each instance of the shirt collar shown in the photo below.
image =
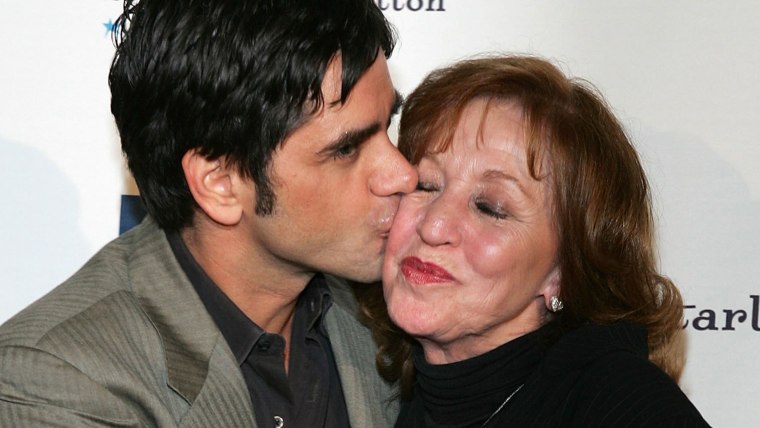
(238, 330)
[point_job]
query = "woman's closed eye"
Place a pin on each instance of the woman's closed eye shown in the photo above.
(427, 186)
(492, 210)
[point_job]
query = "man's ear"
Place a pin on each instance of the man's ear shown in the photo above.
(215, 187)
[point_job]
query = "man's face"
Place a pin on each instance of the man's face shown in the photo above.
(337, 181)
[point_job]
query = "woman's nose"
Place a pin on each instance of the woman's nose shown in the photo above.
(441, 222)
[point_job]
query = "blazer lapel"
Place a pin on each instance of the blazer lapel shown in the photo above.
(369, 400)
(224, 400)
(200, 366)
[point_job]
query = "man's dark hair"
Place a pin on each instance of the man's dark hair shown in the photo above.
(228, 78)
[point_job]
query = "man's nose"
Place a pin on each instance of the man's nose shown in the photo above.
(394, 175)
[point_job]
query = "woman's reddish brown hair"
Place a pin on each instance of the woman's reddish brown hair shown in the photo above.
(601, 200)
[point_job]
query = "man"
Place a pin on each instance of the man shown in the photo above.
(256, 132)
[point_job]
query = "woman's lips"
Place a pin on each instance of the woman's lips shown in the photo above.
(418, 272)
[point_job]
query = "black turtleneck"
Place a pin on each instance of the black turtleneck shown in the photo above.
(464, 393)
(595, 376)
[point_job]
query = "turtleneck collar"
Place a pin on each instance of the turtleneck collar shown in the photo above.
(465, 393)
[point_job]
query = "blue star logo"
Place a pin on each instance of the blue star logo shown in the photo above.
(110, 27)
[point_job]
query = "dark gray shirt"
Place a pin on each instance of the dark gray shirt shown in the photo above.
(309, 394)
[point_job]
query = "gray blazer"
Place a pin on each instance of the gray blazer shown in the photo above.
(126, 341)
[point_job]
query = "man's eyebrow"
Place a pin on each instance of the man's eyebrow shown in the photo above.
(398, 101)
(350, 138)
(356, 137)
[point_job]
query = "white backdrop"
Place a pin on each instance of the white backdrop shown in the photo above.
(684, 76)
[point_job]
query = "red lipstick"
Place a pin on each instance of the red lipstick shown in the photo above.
(418, 272)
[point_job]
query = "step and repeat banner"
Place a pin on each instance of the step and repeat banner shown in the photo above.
(683, 75)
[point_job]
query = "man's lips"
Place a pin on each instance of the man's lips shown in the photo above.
(418, 272)
(385, 219)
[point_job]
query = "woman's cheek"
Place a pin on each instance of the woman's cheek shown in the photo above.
(404, 229)
(487, 253)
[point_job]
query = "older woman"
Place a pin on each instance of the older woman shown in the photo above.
(523, 266)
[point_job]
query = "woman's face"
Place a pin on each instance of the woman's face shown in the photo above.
(471, 256)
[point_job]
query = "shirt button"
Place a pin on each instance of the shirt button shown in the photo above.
(279, 422)
(264, 346)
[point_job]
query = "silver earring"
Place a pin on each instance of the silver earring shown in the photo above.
(556, 304)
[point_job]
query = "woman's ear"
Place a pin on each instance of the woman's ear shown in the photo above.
(551, 291)
(214, 185)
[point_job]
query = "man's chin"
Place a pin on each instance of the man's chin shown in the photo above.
(363, 276)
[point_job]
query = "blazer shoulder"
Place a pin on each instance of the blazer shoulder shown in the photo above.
(106, 273)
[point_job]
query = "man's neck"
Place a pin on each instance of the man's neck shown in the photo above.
(261, 287)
